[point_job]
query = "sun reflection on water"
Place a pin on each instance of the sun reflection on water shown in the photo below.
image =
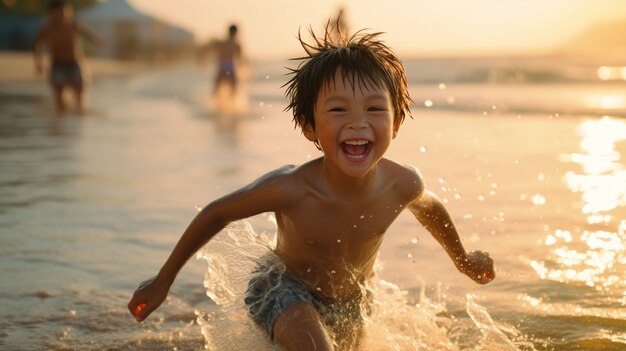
(596, 257)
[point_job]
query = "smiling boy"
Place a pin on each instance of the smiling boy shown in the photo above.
(349, 97)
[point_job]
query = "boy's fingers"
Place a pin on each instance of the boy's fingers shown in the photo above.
(138, 308)
(140, 312)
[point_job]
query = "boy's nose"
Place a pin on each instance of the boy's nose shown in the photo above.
(358, 121)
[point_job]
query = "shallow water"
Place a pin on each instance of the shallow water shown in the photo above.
(91, 205)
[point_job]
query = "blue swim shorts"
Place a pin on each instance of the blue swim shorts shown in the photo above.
(66, 73)
(271, 291)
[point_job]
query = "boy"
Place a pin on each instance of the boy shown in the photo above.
(349, 97)
(60, 35)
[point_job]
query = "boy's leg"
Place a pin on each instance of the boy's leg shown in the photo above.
(300, 328)
(78, 95)
(57, 92)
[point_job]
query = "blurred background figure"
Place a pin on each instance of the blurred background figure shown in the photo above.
(60, 34)
(229, 64)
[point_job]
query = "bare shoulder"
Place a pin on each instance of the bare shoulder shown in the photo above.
(280, 184)
(406, 179)
(276, 178)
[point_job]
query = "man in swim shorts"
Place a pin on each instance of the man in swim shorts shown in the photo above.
(60, 34)
(228, 51)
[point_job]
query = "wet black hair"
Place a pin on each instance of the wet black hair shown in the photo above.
(232, 29)
(361, 56)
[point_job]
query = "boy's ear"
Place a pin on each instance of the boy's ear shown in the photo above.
(307, 129)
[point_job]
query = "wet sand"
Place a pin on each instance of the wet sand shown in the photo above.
(19, 67)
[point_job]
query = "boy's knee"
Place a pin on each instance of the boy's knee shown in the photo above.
(300, 327)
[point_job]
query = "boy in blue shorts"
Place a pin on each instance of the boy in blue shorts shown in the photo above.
(60, 34)
(349, 96)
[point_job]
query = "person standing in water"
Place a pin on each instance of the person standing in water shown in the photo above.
(349, 97)
(228, 52)
(60, 34)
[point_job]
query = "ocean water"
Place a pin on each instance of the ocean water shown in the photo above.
(526, 154)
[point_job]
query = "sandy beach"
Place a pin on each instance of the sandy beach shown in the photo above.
(19, 67)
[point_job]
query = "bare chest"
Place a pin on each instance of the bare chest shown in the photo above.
(339, 230)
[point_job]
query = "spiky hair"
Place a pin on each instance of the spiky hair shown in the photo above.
(362, 57)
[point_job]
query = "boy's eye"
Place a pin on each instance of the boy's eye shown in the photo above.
(337, 109)
(376, 108)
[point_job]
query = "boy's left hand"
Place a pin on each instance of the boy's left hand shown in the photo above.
(478, 266)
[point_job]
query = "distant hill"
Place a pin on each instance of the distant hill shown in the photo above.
(603, 39)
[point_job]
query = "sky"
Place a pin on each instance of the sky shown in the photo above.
(412, 27)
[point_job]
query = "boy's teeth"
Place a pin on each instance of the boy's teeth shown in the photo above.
(356, 142)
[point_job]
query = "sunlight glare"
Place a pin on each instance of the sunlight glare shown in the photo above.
(597, 257)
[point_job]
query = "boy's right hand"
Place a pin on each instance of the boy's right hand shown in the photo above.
(148, 297)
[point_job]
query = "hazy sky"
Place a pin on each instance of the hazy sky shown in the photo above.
(413, 27)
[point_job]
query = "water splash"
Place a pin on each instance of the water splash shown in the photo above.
(396, 321)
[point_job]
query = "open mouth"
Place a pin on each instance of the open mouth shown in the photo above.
(356, 149)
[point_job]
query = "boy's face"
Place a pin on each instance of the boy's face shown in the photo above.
(353, 125)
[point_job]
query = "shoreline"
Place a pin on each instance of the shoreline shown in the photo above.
(19, 67)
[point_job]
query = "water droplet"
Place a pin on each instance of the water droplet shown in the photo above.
(442, 86)
(318, 289)
(333, 271)
(538, 199)
(362, 216)
(457, 196)
(414, 240)
(198, 208)
(308, 270)
(428, 103)
(481, 197)
(338, 240)
(541, 176)
(422, 149)
(354, 226)
(441, 180)
(410, 255)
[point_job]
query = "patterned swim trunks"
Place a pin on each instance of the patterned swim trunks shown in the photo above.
(66, 73)
(271, 291)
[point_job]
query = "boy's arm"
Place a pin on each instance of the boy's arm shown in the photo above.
(431, 213)
(268, 193)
